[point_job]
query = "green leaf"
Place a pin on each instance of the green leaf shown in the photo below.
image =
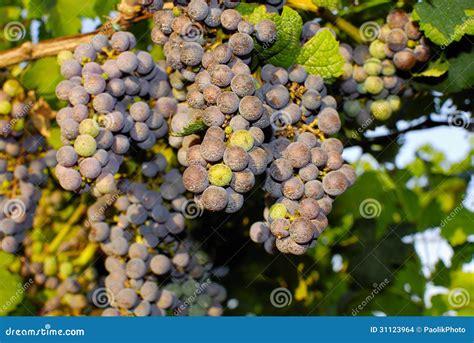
(104, 7)
(321, 56)
(6, 259)
(11, 291)
(9, 13)
(191, 128)
(54, 139)
(460, 75)
(66, 16)
(43, 76)
(39, 8)
(434, 69)
(246, 9)
(283, 51)
(330, 4)
(458, 225)
(444, 22)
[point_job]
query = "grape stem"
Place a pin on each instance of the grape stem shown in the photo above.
(76, 216)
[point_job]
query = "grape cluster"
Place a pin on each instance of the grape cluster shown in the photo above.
(223, 165)
(14, 106)
(188, 32)
(370, 81)
(24, 160)
(307, 171)
(152, 270)
(59, 270)
(111, 93)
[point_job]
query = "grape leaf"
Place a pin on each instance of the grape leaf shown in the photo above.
(191, 128)
(39, 8)
(458, 225)
(460, 75)
(43, 76)
(330, 4)
(66, 16)
(321, 56)
(246, 9)
(11, 291)
(434, 69)
(444, 22)
(283, 51)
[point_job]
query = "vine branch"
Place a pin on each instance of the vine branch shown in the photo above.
(51, 47)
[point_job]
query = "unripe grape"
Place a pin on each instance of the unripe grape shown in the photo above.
(220, 175)
(243, 139)
(373, 67)
(277, 211)
(373, 84)
(377, 49)
(381, 109)
(85, 145)
(89, 127)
